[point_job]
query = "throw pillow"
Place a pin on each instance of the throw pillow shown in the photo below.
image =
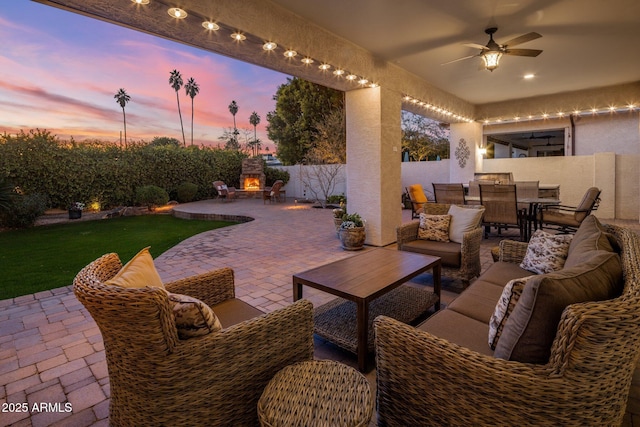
(590, 236)
(434, 227)
(529, 332)
(510, 296)
(138, 273)
(546, 252)
(193, 317)
(463, 220)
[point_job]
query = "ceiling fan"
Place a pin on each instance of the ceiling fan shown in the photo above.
(533, 136)
(492, 52)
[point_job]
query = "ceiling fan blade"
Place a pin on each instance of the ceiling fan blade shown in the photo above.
(522, 39)
(475, 46)
(523, 52)
(459, 59)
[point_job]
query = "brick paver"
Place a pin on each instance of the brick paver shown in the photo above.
(51, 351)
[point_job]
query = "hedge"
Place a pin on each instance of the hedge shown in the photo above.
(93, 171)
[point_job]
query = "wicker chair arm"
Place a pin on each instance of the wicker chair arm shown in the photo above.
(512, 251)
(212, 287)
(425, 380)
(407, 233)
(219, 377)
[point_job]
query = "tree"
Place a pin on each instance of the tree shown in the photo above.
(254, 120)
(175, 80)
(424, 138)
(233, 109)
(300, 107)
(122, 98)
(331, 140)
(192, 89)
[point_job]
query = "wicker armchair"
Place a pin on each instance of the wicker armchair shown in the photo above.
(469, 265)
(425, 380)
(213, 380)
(273, 193)
(224, 192)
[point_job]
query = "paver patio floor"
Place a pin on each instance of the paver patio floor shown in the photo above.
(51, 351)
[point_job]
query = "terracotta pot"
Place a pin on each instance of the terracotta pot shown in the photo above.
(352, 239)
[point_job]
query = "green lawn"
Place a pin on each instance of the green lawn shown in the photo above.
(48, 257)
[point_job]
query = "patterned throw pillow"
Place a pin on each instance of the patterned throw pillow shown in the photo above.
(193, 317)
(546, 252)
(510, 296)
(434, 227)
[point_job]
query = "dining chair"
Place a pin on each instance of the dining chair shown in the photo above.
(568, 218)
(449, 193)
(473, 195)
(501, 208)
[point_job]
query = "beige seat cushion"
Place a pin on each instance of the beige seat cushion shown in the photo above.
(449, 252)
(463, 220)
(500, 273)
(459, 329)
(234, 311)
(530, 330)
(478, 301)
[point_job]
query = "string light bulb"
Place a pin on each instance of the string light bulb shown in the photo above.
(209, 25)
(238, 36)
(269, 46)
(177, 13)
(290, 53)
(140, 1)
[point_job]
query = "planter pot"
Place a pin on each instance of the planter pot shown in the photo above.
(352, 239)
(75, 214)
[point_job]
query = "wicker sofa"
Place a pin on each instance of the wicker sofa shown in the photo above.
(444, 373)
(157, 379)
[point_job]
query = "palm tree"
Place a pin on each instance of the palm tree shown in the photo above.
(254, 119)
(192, 89)
(122, 98)
(175, 80)
(233, 109)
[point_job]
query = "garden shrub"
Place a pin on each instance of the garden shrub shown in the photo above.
(336, 199)
(69, 171)
(274, 174)
(186, 192)
(151, 196)
(24, 211)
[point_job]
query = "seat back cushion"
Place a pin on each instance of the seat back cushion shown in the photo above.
(463, 220)
(417, 194)
(589, 237)
(587, 203)
(139, 272)
(529, 332)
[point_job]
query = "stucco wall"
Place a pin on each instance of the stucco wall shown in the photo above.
(618, 133)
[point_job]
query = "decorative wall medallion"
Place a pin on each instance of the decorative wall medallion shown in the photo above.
(462, 153)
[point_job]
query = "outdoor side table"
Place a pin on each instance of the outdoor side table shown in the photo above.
(316, 393)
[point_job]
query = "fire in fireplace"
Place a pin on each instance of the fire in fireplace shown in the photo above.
(251, 184)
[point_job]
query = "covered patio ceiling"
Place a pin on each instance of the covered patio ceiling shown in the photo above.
(588, 61)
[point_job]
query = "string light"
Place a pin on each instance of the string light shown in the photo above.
(238, 36)
(178, 13)
(324, 67)
(290, 53)
(140, 1)
(338, 72)
(307, 61)
(212, 26)
(269, 46)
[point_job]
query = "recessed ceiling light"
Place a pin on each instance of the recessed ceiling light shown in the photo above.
(238, 36)
(529, 76)
(269, 46)
(210, 25)
(290, 53)
(178, 13)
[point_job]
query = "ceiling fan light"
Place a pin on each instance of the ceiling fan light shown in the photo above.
(491, 59)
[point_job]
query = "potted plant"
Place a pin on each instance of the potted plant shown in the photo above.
(351, 232)
(75, 210)
(337, 215)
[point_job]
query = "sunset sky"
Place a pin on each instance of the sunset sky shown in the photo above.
(59, 71)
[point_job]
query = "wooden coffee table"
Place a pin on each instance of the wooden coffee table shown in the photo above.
(365, 277)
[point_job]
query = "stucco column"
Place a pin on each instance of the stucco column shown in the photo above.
(373, 161)
(465, 139)
(604, 177)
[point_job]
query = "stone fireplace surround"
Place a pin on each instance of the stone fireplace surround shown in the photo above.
(252, 168)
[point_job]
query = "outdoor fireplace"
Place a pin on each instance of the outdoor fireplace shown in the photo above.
(252, 177)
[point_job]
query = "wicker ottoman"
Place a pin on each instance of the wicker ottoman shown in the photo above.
(316, 393)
